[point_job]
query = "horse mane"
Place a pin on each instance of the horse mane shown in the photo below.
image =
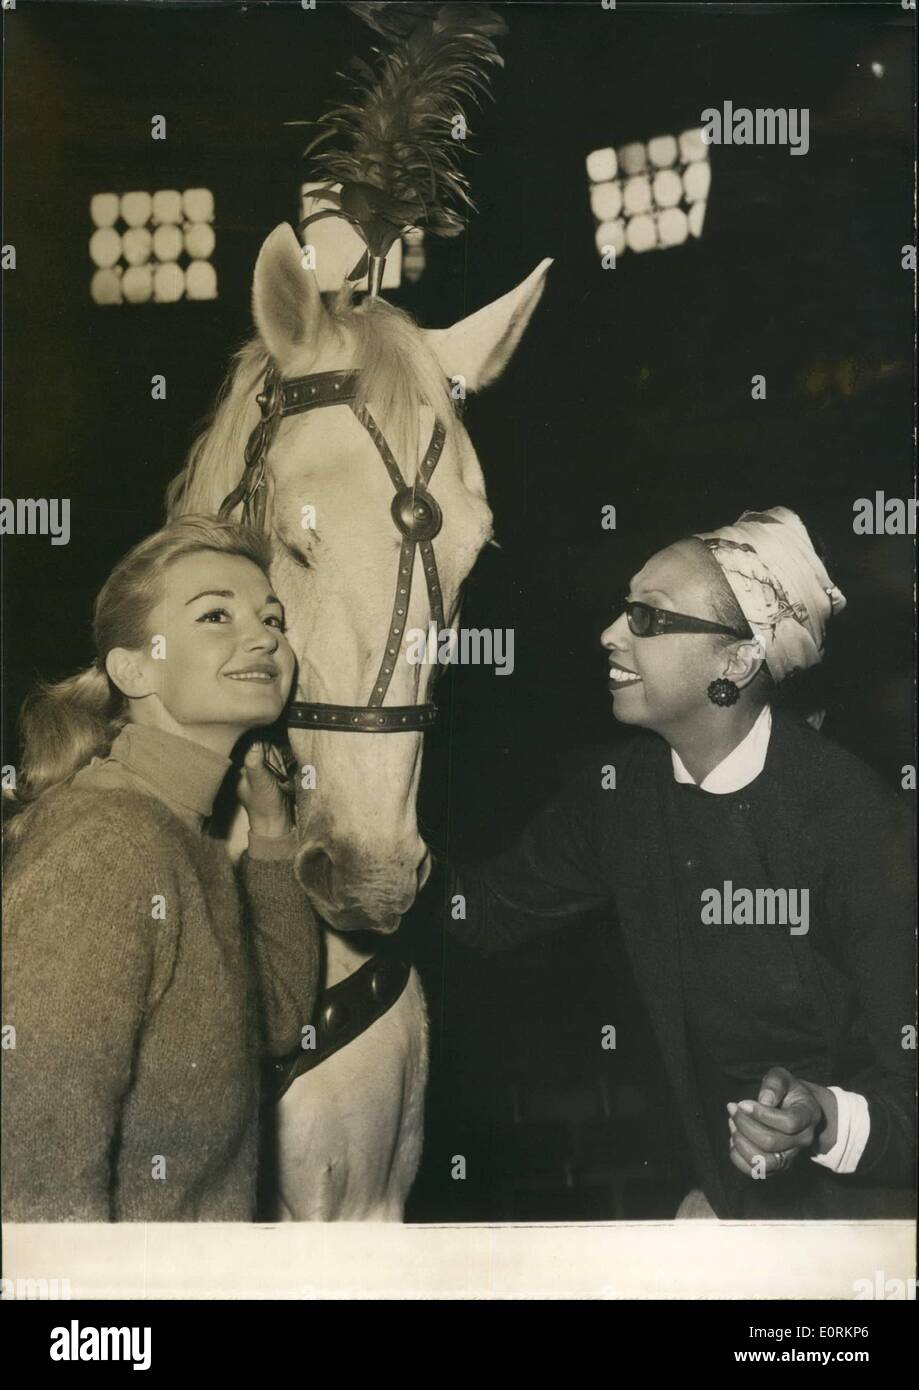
(399, 375)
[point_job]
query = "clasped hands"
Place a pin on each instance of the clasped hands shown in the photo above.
(789, 1116)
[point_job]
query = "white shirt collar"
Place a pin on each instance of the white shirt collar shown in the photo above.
(742, 764)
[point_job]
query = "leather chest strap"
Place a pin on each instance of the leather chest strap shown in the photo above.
(342, 1014)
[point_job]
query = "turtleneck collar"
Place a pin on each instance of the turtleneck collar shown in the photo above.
(186, 775)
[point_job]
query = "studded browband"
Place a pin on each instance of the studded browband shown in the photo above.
(414, 511)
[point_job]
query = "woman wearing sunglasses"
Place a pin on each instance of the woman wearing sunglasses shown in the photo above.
(762, 879)
(143, 977)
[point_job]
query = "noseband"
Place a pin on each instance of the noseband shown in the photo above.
(417, 518)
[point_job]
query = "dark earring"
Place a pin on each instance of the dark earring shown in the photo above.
(723, 692)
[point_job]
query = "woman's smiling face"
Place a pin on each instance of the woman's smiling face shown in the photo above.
(222, 660)
(660, 682)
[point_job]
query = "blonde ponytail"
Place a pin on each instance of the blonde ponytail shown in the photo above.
(63, 725)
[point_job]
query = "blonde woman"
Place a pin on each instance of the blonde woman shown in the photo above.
(143, 975)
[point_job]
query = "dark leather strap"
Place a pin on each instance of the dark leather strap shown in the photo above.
(418, 518)
(319, 388)
(343, 1013)
(427, 518)
(415, 514)
(359, 719)
(277, 399)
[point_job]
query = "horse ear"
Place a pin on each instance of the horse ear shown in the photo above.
(479, 348)
(286, 303)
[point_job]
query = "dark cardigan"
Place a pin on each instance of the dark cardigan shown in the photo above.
(824, 822)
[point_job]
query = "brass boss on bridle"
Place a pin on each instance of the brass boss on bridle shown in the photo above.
(416, 516)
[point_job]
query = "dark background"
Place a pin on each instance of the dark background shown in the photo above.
(632, 387)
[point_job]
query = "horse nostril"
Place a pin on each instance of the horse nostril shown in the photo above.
(313, 869)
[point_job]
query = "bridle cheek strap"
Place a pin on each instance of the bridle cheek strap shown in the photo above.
(415, 514)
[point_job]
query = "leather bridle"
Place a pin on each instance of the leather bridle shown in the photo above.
(417, 518)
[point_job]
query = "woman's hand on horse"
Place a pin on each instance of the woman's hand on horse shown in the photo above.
(260, 791)
(768, 1134)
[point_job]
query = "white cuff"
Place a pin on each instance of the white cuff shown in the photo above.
(853, 1125)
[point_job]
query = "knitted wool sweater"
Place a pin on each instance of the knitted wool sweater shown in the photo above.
(144, 977)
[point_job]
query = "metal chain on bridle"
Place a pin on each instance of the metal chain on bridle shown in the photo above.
(415, 513)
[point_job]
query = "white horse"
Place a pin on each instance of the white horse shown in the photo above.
(349, 1131)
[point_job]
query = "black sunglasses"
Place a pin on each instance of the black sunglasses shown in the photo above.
(645, 621)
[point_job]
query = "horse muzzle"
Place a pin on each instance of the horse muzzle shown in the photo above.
(354, 894)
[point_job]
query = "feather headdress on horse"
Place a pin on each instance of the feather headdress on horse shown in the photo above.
(394, 146)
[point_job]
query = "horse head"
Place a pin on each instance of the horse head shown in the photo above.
(336, 548)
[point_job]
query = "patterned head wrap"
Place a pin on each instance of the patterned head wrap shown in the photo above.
(778, 579)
